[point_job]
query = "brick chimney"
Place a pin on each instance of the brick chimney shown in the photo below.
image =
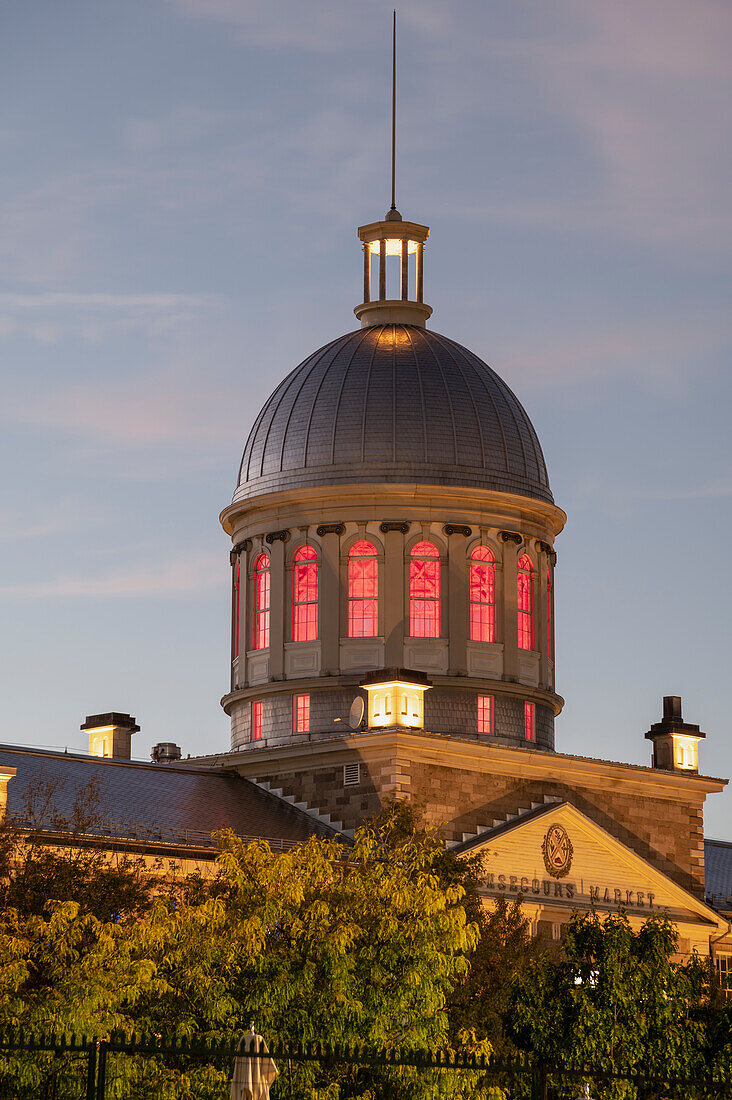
(675, 742)
(110, 734)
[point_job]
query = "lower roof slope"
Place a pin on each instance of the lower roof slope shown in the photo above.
(718, 873)
(162, 803)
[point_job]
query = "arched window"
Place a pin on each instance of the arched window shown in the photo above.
(305, 595)
(482, 595)
(363, 591)
(424, 591)
(260, 615)
(525, 601)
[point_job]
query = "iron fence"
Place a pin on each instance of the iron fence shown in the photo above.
(57, 1067)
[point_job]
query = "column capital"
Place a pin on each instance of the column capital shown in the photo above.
(402, 526)
(277, 536)
(510, 536)
(330, 529)
(457, 529)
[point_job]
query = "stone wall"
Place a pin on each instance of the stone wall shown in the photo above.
(667, 833)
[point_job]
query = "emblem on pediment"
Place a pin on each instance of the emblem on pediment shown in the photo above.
(557, 851)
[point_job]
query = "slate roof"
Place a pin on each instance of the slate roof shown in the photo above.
(718, 873)
(393, 403)
(163, 803)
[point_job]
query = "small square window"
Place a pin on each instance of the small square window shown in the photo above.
(351, 775)
(301, 713)
(257, 720)
(485, 714)
(530, 721)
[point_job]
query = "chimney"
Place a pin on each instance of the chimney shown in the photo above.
(110, 734)
(675, 742)
(165, 752)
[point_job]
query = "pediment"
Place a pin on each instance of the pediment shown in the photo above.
(559, 857)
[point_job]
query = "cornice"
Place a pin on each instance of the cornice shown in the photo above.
(503, 506)
(470, 756)
(352, 681)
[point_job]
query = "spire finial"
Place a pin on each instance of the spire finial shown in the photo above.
(393, 113)
(393, 214)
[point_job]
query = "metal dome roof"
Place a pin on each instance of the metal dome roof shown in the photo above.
(393, 403)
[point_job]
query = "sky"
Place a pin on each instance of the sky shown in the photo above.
(182, 181)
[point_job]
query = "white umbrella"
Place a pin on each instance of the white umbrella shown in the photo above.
(253, 1076)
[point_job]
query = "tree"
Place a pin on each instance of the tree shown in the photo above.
(345, 945)
(614, 995)
(47, 855)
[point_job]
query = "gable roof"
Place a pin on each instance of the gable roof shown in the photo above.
(156, 803)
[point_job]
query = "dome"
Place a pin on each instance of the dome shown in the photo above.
(393, 403)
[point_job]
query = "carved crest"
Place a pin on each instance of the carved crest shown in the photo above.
(557, 851)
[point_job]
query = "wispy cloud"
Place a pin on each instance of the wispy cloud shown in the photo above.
(49, 317)
(167, 579)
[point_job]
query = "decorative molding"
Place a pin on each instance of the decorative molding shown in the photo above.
(277, 536)
(458, 529)
(330, 529)
(386, 527)
(510, 536)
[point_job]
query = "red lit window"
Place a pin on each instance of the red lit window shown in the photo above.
(301, 713)
(482, 595)
(424, 591)
(525, 600)
(485, 714)
(257, 721)
(363, 591)
(237, 577)
(530, 721)
(260, 621)
(305, 595)
(548, 612)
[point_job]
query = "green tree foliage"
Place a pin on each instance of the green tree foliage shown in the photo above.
(342, 945)
(614, 996)
(48, 855)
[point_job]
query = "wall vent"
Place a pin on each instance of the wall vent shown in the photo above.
(351, 775)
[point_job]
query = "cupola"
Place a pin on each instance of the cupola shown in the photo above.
(393, 265)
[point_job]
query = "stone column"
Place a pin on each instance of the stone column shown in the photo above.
(329, 597)
(393, 594)
(511, 541)
(551, 656)
(542, 622)
(457, 599)
(277, 605)
(244, 622)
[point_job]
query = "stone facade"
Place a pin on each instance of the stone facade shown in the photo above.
(445, 710)
(465, 787)
(394, 520)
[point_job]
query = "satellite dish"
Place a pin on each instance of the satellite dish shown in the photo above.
(355, 715)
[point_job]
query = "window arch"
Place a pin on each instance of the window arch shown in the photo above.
(482, 595)
(424, 591)
(363, 590)
(305, 595)
(260, 603)
(525, 602)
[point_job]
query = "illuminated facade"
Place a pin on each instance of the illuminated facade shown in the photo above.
(393, 511)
